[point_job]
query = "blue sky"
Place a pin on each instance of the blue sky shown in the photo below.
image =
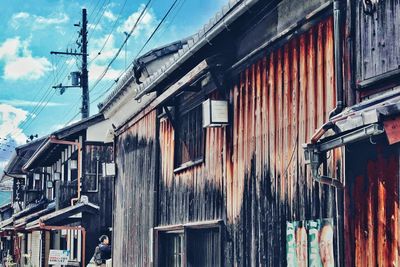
(33, 28)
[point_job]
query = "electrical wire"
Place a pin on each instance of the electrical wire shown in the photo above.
(109, 35)
(147, 41)
(156, 29)
(122, 46)
(99, 19)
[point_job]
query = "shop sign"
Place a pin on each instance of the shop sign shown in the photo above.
(59, 257)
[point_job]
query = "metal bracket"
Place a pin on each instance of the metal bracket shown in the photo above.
(315, 154)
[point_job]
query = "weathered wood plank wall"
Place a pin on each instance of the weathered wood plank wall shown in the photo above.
(134, 193)
(377, 39)
(194, 194)
(253, 175)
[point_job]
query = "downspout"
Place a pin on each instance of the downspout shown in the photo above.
(338, 55)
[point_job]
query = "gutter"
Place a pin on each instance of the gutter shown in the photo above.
(190, 49)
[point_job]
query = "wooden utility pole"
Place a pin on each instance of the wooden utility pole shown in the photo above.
(83, 75)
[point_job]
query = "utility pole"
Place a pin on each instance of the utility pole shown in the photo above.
(83, 75)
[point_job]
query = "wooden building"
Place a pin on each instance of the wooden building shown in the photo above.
(63, 186)
(211, 169)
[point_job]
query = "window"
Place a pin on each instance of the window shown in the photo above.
(95, 156)
(171, 248)
(190, 246)
(203, 248)
(189, 138)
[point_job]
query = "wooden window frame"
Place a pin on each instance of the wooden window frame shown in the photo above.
(183, 228)
(185, 165)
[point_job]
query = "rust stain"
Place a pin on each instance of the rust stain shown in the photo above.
(257, 161)
(372, 208)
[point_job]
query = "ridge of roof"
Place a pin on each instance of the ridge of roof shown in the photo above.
(145, 58)
(218, 22)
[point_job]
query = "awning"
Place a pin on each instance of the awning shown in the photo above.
(5, 223)
(42, 204)
(64, 216)
(359, 122)
(21, 222)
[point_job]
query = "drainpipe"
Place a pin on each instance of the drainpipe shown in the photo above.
(338, 55)
(337, 28)
(54, 140)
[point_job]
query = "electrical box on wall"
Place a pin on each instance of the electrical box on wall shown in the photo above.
(108, 169)
(215, 113)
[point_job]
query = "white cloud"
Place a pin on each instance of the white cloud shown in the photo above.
(19, 62)
(108, 51)
(9, 49)
(96, 70)
(109, 15)
(28, 68)
(145, 26)
(62, 18)
(94, 27)
(10, 119)
(37, 22)
(27, 103)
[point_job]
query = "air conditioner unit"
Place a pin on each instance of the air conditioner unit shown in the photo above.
(108, 169)
(215, 113)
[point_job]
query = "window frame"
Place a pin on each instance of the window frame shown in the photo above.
(98, 174)
(179, 166)
(183, 228)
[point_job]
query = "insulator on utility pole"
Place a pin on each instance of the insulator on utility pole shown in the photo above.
(79, 79)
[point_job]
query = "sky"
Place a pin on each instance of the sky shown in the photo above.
(30, 29)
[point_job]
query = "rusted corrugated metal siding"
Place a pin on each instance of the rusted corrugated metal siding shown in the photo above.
(134, 193)
(372, 206)
(254, 175)
(277, 105)
(194, 194)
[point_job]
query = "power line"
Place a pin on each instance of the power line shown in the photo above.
(122, 46)
(148, 40)
(99, 19)
(158, 26)
(109, 35)
(127, 37)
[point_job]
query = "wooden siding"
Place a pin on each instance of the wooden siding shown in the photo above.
(253, 175)
(377, 39)
(372, 205)
(134, 193)
(193, 194)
